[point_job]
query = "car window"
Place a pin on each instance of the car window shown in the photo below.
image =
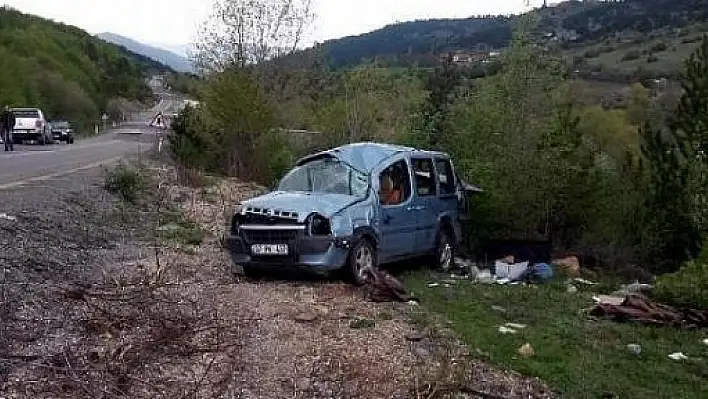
(446, 176)
(395, 184)
(25, 113)
(326, 175)
(424, 177)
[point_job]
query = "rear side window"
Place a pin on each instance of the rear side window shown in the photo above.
(26, 113)
(424, 176)
(446, 176)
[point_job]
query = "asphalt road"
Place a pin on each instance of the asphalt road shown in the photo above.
(32, 162)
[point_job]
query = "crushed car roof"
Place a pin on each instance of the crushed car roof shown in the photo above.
(364, 156)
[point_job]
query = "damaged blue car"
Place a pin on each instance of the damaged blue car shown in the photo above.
(353, 208)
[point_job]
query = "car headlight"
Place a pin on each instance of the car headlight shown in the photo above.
(318, 225)
(342, 225)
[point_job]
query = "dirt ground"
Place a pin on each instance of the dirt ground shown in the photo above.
(97, 303)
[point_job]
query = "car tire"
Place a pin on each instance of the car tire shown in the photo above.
(252, 273)
(70, 140)
(444, 256)
(362, 260)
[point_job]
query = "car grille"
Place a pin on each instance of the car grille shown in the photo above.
(269, 236)
(254, 218)
(268, 216)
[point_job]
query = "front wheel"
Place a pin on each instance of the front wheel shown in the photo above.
(362, 261)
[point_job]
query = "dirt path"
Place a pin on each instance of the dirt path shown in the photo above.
(94, 305)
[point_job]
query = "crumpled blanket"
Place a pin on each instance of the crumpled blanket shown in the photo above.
(640, 309)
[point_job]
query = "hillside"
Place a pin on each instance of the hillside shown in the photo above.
(169, 58)
(574, 27)
(65, 70)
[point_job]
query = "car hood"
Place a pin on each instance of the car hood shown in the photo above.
(304, 203)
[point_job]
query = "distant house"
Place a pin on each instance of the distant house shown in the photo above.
(465, 57)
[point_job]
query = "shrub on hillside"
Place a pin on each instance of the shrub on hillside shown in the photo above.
(658, 47)
(631, 55)
(125, 182)
(190, 144)
(688, 287)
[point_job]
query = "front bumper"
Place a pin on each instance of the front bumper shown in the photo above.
(315, 254)
(19, 135)
(61, 135)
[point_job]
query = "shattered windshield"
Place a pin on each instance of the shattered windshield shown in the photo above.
(326, 175)
(60, 124)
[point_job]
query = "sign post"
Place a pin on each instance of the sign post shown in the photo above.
(158, 122)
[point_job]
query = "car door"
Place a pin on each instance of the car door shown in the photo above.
(396, 223)
(424, 206)
(447, 187)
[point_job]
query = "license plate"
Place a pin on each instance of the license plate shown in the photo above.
(269, 249)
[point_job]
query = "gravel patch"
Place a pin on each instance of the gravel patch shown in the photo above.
(95, 305)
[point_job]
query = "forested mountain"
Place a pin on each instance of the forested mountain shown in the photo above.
(174, 61)
(574, 22)
(65, 70)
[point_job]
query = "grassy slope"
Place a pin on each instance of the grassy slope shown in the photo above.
(580, 357)
(64, 70)
(612, 54)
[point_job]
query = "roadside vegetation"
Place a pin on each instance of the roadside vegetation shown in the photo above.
(580, 356)
(68, 73)
(617, 181)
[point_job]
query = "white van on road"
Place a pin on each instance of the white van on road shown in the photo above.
(31, 124)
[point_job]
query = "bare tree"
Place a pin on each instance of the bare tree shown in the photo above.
(245, 32)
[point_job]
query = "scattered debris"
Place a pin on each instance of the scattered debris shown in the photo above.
(433, 285)
(415, 336)
(705, 341)
(305, 317)
(569, 266)
(527, 351)
(506, 330)
(169, 227)
(362, 322)
(498, 309)
(511, 328)
(540, 272)
(8, 217)
(383, 287)
(572, 289)
(640, 309)
(485, 277)
(634, 288)
(510, 271)
(608, 299)
(583, 281)
(634, 349)
(678, 356)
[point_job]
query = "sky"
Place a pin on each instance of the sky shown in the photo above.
(175, 22)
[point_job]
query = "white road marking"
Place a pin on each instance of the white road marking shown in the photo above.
(58, 174)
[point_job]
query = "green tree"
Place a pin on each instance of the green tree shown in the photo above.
(690, 124)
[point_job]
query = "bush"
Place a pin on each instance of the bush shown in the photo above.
(190, 144)
(687, 287)
(125, 182)
(281, 155)
(592, 53)
(631, 55)
(658, 47)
